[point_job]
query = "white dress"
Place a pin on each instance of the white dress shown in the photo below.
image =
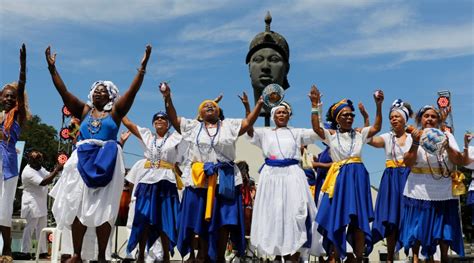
(283, 205)
(92, 206)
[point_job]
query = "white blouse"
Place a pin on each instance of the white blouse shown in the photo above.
(427, 186)
(398, 150)
(170, 148)
(343, 145)
(210, 144)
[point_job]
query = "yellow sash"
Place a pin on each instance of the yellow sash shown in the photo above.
(199, 180)
(166, 165)
(426, 170)
(394, 164)
(330, 181)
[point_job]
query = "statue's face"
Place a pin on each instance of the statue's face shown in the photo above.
(267, 66)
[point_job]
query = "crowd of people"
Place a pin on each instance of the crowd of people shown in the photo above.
(416, 206)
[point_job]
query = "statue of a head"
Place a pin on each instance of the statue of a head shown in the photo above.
(268, 59)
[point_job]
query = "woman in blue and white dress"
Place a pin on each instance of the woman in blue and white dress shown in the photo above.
(212, 201)
(346, 211)
(12, 118)
(156, 186)
(389, 202)
(88, 192)
(283, 220)
(468, 154)
(430, 215)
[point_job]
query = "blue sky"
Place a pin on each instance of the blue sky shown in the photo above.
(410, 49)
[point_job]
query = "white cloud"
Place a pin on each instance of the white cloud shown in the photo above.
(386, 18)
(108, 12)
(419, 43)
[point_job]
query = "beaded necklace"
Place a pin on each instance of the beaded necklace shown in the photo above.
(211, 136)
(156, 150)
(339, 145)
(94, 124)
(278, 141)
(394, 150)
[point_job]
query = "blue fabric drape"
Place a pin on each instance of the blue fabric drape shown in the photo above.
(226, 177)
(96, 164)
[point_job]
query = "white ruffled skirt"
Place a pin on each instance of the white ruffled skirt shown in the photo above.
(284, 213)
(92, 206)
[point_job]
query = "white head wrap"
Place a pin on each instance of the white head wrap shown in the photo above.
(399, 107)
(283, 105)
(111, 88)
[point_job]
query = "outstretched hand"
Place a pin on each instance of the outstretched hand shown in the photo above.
(362, 110)
(315, 96)
(165, 90)
(50, 59)
(378, 97)
(219, 98)
(23, 55)
(244, 98)
(146, 56)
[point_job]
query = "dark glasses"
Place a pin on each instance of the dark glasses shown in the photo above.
(348, 114)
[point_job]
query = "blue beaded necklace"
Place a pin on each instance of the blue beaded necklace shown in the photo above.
(94, 124)
(213, 136)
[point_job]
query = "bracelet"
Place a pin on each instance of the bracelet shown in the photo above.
(141, 71)
(415, 143)
(315, 111)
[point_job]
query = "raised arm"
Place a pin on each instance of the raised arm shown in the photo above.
(21, 86)
(245, 101)
(250, 119)
(124, 103)
(75, 105)
(378, 97)
(364, 114)
(315, 97)
(466, 158)
(409, 158)
(170, 110)
(49, 178)
(132, 127)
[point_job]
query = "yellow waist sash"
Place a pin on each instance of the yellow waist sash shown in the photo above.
(330, 181)
(394, 164)
(166, 165)
(427, 170)
(199, 180)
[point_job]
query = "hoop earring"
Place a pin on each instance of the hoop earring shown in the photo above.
(338, 126)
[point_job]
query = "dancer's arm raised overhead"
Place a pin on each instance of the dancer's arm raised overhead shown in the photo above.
(75, 105)
(247, 123)
(170, 110)
(378, 97)
(124, 103)
(315, 97)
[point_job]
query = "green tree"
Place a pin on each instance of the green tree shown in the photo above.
(42, 137)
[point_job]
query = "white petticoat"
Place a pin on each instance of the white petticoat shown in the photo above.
(92, 206)
(7, 197)
(281, 207)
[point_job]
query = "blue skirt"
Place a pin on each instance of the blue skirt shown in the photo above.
(157, 205)
(226, 212)
(430, 222)
(470, 202)
(389, 204)
(351, 205)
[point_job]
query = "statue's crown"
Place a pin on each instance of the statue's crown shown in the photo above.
(269, 39)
